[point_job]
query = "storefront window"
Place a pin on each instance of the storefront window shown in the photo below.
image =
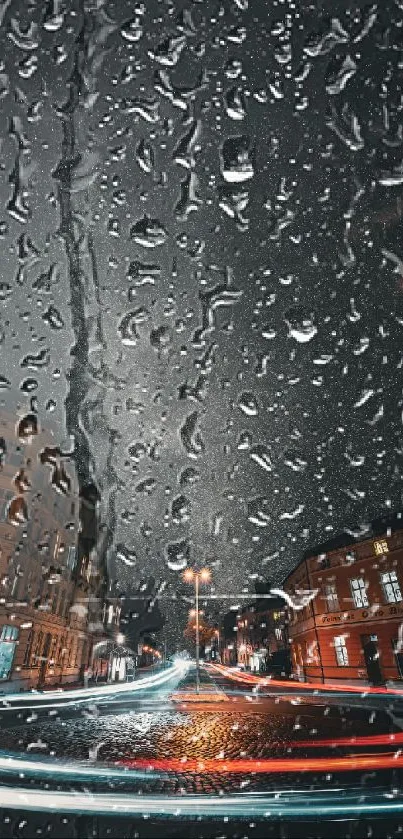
(8, 639)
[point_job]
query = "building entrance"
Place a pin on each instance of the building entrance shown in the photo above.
(371, 656)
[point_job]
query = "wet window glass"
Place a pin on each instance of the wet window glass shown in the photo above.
(201, 522)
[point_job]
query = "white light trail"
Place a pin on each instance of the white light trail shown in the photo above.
(51, 699)
(180, 807)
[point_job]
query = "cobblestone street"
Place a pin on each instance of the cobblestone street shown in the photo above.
(263, 729)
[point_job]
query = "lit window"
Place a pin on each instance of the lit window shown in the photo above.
(9, 633)
(391, 587)
(71, 558)
(110, 614)
(381, 547)
(341, 650)
(358, 590)
(8, 642)
(28, 649)
(38, 649)
(331, 597)
(16, 580)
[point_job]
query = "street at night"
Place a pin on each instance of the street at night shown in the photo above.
(164, 750)
(220, 740)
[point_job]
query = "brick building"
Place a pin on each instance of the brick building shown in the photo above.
(351, 631)
(44, 590)
(261, 634)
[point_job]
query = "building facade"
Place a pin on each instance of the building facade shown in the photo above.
(228, 639)
(261, 634)
(44, 636)
(348, 617)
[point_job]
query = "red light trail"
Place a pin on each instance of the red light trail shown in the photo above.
(249, 678)
(348, 763)
(366, 740)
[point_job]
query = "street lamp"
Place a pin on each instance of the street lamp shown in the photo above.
(197, 577)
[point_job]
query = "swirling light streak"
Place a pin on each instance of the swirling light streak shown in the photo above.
(342, 742)
(14, 764)
(250, 678)
(236, 806)
(240, 766)
(52, 699)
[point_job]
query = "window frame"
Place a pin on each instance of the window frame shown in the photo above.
(361, 590)
(393, 584)
(341, 651)
(332, 598)
(29, 648)
(9, 633)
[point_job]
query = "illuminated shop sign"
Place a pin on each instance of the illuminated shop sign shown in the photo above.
(362, 615)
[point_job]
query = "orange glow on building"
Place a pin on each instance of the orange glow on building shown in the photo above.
(351, 630)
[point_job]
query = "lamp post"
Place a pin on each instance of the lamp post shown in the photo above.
(197, 577)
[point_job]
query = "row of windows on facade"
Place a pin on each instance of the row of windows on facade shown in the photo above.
(389, 582)
(22, 585)
(341, 652)
(272, 617)
(46, 597)
(358, 586)
(71, 555)
(63, 651)
(380, 548)
(59, 513)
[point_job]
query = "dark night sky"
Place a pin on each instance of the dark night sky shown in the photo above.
(249, 381)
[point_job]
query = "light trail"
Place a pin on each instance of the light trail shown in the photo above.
(238, 806)
(261, 681)
(52, 699)
(59, 771)
(366, 740)
(240, 766)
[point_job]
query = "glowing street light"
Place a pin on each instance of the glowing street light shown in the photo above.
(197, 577)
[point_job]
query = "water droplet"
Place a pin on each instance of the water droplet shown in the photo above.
(248, 404)
(148, 232)
(178, 555)
(236, 159)
(17, 511)
(301, 325)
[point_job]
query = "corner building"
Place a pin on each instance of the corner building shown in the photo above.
(44, 637)
(352, 629)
